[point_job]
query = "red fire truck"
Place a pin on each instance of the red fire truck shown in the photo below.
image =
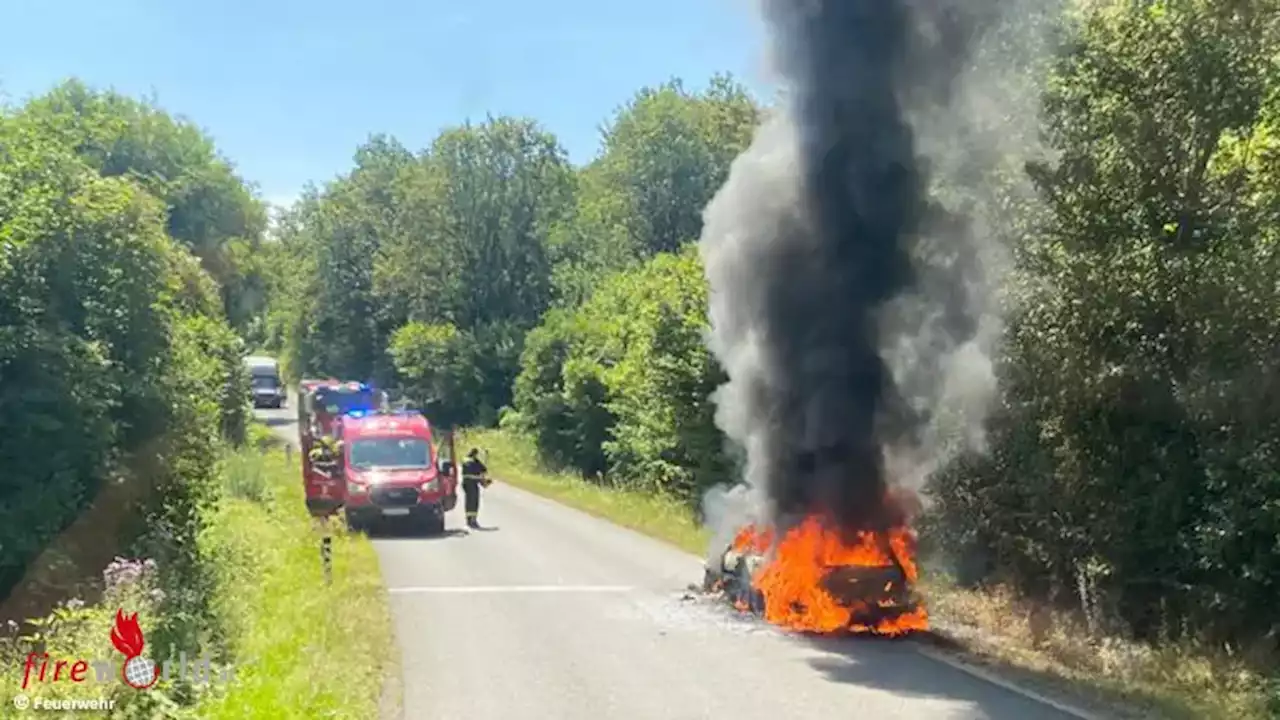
(305, 389)
(321, 404)
(391, 470)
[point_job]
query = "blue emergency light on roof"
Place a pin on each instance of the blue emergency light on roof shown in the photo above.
(367, 412)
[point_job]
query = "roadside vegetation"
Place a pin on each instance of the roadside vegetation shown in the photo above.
(302, 649)
(133, 479)
(513, 460)
(114, 393)
(299, 648)
(1119, 531)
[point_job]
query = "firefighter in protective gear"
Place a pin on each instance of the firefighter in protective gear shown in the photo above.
(325, 452)
(473, 478)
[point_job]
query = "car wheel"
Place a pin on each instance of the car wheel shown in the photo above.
(433, 524)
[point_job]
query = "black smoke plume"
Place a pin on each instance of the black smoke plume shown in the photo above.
(813, 248)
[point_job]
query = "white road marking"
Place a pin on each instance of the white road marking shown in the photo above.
(464, 589)
(998, 681)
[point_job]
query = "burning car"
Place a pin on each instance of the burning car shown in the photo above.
(821, 579)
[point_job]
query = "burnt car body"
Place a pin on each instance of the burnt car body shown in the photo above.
(732, 577)
(872, 594)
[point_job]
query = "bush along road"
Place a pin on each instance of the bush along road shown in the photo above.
(295, 646)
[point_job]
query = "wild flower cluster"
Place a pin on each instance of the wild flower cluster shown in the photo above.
(127, 576)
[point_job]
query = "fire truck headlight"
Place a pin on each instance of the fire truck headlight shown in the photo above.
(356, 488)
(431, 485)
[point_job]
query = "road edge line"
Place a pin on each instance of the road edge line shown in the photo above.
(995, 679)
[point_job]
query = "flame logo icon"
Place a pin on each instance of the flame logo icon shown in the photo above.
(137, 672)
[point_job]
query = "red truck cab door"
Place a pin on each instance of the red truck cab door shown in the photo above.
(325, 488)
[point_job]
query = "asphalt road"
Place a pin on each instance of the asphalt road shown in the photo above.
(551, 613)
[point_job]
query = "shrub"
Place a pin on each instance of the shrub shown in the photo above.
(622, 384)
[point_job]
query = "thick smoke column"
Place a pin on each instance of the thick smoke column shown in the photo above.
(837, 337)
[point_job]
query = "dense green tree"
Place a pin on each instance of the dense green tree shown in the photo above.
(623, 384)
(560, 397)
(471, 246)
(1134, 448)
(439, 368)
(456, 237)
(115, 357)
(327, 316)
(664, 156)
(208, 207)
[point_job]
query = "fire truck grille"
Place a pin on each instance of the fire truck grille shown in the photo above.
(394, 497)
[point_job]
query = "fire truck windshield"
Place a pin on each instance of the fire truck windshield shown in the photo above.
(389, 453)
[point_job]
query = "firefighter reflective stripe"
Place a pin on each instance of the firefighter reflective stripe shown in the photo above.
(325, 448)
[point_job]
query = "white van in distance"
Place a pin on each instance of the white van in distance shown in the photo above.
(264, 375)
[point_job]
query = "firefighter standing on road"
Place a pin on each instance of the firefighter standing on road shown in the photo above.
(473, 478)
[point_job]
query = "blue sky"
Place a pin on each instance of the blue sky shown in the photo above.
(288, 88)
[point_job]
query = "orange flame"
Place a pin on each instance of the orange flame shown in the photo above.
(792, 580)
(749, 540)
(126, 636)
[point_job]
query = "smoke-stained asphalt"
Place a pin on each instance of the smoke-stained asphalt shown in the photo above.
(555, 614)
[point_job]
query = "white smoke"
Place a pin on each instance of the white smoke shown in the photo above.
(735, 236)
(976, 147)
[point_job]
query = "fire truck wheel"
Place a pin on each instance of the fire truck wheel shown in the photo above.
(433, 524)
(352, 524)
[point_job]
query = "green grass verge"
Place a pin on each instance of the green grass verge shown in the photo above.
(300, 648)
(514, 460)
(1151, 682)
